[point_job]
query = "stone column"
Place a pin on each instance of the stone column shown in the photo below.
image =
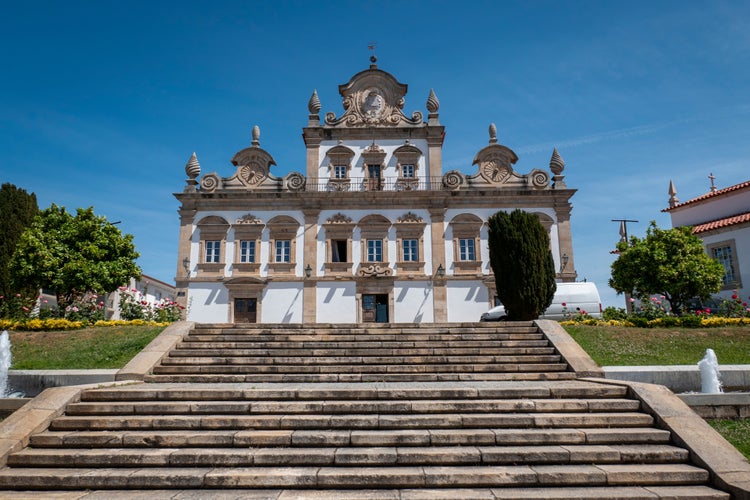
(435, 138)
(310, 237)
(439, 291)
(313, 137)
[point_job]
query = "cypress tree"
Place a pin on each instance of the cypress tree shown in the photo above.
(521, 259)
(17, 209)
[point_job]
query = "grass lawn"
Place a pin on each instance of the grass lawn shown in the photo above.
(103, 347)
(736, 432)
(623, 346)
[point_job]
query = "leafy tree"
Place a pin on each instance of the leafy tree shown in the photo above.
(18, 209)
(670, 262)
(74, 254)
(521, 259)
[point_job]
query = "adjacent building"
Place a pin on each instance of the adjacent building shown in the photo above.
(721, 218)
(376, 229)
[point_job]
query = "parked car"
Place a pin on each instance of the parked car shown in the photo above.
(579, 296)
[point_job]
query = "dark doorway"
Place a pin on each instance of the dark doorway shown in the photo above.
(375, 308)
(245, 310)
(374, 182)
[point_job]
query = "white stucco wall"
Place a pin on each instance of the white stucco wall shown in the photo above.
(208, 303)
(413, 302)
(741, 237)
(282, 303)
(719, 207)
(467, 300)
(336, 302)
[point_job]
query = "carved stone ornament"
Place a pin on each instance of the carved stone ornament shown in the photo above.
(453, 179)
(433, 104)
(410, 218)
(253, 166)
(193, 168)
(538, 179)
(339, 218)
(294, 181)
(495, 173)
(556, 163)
(373, 98)
(210, 182)
(313, 105)
(375, 271)
(249, 219)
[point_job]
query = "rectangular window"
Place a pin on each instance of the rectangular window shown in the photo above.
(723, 254)
(339, 171)
(283, 250)
(213, 248)
(411, 250)
(247, 251)
(407, 171)
(338, 251)
(466, 249)
(374, 250)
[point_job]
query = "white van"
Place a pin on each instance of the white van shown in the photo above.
(577, 296)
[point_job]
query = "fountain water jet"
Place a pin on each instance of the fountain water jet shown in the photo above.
(709, 367)
(5, 359)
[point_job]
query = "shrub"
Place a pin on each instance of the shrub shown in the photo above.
(614, 313)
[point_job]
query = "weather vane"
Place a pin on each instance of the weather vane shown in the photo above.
(371, 48)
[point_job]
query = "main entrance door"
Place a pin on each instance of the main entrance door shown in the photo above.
(375, 308)
(245, 310)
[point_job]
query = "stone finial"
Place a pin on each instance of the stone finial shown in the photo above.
(193, 170)
(256, 136)
(493, 133)
(433, 104)
(673, 201)
(313, 105)
(192, 167)
(556, 163)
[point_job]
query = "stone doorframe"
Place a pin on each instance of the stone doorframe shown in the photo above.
(375, 286)
(246, 288)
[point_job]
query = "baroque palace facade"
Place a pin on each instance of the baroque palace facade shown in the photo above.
(373, 231)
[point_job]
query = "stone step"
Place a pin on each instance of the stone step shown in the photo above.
(354, 367)
(328, 341)
(296, 329)
(231, 349)
(392, 391)
(353, 421)
(346, 437)
(235, 359)
(349, 456)
(560, 493)
(352, 477)
(357, 377)
(350, 406)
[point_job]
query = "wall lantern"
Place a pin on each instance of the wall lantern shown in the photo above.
(308, 271)
(186, 265)
(440, 271)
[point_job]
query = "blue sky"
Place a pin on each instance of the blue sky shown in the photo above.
(103, 102)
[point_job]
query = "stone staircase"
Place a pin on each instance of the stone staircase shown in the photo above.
(395, 412)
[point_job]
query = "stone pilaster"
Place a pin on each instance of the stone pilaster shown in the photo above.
(439, 291)
(182, 276)
(309, 298)
(565, 242)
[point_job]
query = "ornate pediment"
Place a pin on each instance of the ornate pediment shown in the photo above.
(410, 218)
(249, 219)
(373, 98)
(339, 218)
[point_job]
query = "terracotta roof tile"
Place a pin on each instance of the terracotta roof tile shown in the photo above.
(713, 194)
(719, 223)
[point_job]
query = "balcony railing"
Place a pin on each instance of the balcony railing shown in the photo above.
(360, 184)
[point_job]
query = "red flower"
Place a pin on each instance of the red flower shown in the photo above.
(564, 304)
